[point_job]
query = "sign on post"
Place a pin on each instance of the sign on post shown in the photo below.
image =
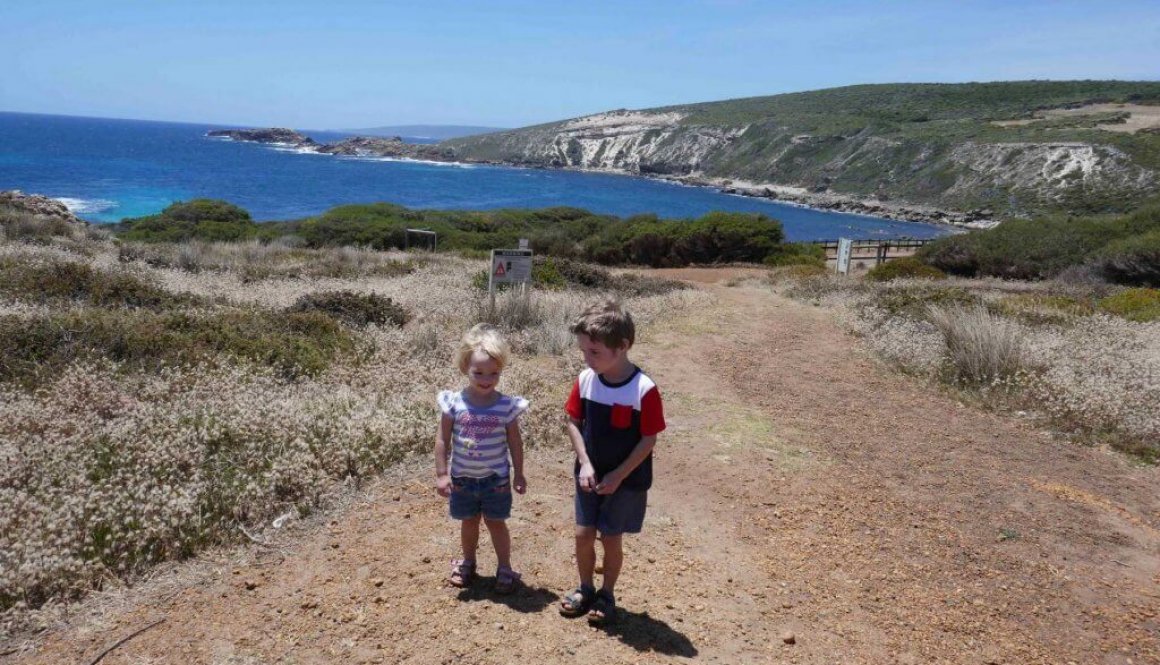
(509, 266)
(523, 243)
(844, 246)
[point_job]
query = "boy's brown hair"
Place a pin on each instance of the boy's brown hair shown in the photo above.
(606, 322)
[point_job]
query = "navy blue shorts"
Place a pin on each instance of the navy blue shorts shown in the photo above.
(491, 496)
(611, 514)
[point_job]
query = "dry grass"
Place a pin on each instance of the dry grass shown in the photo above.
(111, 467)
(1044, 347)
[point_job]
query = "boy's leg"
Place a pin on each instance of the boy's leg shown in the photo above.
(586, 554)
(613, 560)
(501, 539)
(469, 536)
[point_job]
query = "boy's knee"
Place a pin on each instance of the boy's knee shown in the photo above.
(611, 542)
(473, 521)
(585, 534)
(494, 523)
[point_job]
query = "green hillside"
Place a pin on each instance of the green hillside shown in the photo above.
(935, 144)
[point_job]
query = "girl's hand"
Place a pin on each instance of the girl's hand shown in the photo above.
(520, 484)
(443, 484)
(587, 478)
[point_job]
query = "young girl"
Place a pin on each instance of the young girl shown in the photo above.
(479, 427)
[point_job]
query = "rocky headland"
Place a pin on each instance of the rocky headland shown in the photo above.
(16, 201)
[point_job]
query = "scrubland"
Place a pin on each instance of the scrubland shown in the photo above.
(1083, 357)
(159, 399)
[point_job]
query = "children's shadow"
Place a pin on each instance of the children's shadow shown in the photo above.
(644, 633)
(526, 599)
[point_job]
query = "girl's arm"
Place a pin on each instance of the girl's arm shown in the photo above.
(516, 447)
(442, 452)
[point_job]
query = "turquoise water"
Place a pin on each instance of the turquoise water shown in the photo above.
(106, 170)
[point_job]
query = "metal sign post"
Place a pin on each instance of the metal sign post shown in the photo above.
(844, 246)
(508, 266)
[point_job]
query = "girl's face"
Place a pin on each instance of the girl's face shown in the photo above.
(482, 374)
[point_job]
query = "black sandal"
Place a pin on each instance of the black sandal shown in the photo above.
(578, 601)
(603, 611)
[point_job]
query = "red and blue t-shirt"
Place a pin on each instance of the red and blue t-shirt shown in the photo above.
(613, 418)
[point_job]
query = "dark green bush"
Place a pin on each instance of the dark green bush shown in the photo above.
(56, 281)
(1134, 260)
(954, 255)
(200, 219)
(355, 309)
(903, 268)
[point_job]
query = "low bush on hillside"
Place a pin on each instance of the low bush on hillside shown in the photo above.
(355, 309)
(20, 226)
(45, 280)
(1043, 308)
(904, 268)
(1134, 260)
(554, 273)
(200, 219)
(1126, 247)
(1140, 304)
(35, 348)
(795, 254)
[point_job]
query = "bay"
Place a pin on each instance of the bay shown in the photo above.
(107, 169)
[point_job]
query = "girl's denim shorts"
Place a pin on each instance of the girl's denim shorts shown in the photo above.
(491, 496)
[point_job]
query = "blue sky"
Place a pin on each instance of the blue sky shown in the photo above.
(362, 63)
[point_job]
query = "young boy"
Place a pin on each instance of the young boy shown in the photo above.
(615, 414)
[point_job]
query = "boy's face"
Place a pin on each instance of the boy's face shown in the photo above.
(599, 357)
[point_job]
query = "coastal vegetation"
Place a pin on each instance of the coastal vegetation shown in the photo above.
(160, 398)
(563, 232)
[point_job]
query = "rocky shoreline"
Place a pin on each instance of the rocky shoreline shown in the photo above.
(396, 148)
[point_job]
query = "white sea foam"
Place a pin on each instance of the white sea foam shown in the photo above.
(81, 206)
(369, 158)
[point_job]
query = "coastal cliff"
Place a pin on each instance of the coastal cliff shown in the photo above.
(357, 146)
(957, 153)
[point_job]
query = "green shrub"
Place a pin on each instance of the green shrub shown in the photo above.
(904, 268)
(201, 219)
(546, 275)
(1139, 304)
(954, 255)
(21, 226)
(300, 343)
(55, 281)
(795, 254)
(1134, 260)
(355, 309)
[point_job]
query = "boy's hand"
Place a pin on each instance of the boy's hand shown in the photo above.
(587, 477)
(443, 484)
(609, 483)
(520, 484)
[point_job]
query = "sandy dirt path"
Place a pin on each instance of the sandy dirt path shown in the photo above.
(804, 494)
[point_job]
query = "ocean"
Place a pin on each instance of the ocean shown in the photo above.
(106, 170)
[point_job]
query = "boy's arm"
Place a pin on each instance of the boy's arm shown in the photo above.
(587, 477)
(442, 452)
(612, 480)
(516, 448)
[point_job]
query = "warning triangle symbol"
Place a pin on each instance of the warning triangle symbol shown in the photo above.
(499, 271)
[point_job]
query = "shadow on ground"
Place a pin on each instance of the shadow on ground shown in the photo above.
(644, 633)
(527, 599)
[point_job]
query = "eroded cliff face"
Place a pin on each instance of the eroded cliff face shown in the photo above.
(1015, 177)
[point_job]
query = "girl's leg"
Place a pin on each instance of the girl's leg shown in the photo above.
(469, 536)
(501, 539)
(586, 554)
(613, 560)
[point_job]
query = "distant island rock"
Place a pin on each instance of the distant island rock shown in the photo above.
(356, 146)
(278, 135)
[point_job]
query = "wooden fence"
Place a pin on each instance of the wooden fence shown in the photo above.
(876, 251)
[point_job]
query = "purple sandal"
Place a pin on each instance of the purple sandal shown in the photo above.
(506, 580)
(462, 573)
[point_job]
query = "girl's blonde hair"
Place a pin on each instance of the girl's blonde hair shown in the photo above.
(482, 337)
